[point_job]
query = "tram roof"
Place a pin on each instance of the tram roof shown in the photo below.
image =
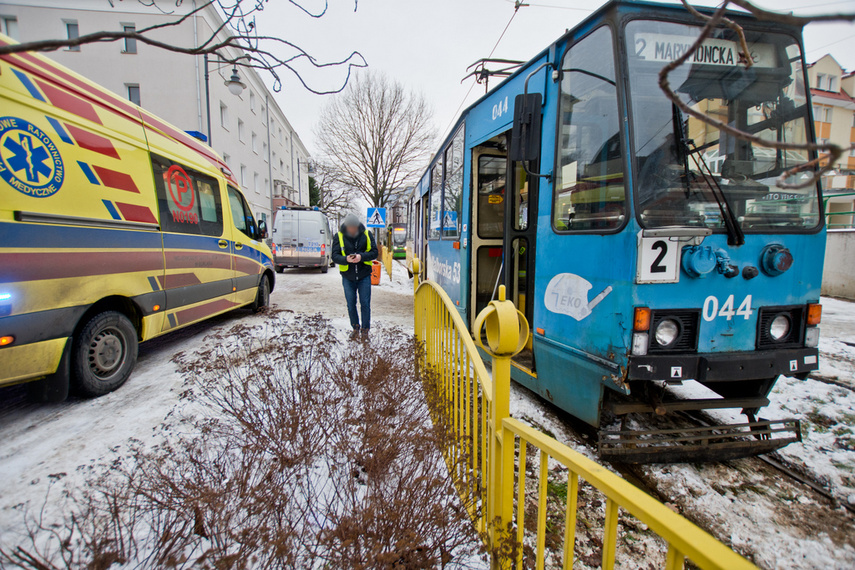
(598, 15)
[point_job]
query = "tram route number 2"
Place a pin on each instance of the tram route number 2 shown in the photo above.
(658, 260)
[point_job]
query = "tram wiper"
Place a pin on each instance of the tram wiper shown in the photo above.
(735, 235)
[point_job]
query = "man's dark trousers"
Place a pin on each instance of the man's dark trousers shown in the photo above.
(362, 287)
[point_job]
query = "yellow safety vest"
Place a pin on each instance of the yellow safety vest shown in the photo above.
(343, 268)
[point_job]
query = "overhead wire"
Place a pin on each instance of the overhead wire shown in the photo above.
(517, 6)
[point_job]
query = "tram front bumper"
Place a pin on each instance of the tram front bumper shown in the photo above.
(735, 366)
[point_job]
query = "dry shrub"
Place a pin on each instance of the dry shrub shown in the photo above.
(291, 448)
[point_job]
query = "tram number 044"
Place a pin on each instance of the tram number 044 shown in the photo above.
(712, 310)
(500, 108)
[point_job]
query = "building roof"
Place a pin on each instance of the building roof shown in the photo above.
(843, 96)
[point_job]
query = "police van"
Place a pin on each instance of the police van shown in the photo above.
(301, 238)
(115, 228)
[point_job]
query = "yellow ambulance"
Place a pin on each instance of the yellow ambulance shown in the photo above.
(115, 227)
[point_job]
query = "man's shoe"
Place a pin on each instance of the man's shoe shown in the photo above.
(354, 334)
(364, 332)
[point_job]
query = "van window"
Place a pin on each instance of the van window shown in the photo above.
(189, 201)
(242, 214)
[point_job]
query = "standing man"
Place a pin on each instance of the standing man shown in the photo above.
(353, 251)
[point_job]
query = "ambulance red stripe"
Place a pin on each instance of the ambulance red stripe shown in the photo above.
(202, 311)
(71, 103)
(116, 179)
(134, 213)
(37, 266)
(178, 280)
(91, 141)
(176, 259)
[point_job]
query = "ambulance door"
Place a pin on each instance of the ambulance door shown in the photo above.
(245, 258)
(198, 276)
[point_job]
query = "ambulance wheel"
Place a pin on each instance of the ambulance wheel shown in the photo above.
(104, 353)
(262, 298)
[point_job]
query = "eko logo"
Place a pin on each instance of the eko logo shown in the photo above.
(29, 161)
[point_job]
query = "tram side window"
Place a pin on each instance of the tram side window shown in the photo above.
(589, 190)
(435, 201)
(492, 176)
(189, 201)
(453, 208)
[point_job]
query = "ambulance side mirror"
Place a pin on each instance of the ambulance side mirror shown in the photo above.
(525, 136)
(262, 229)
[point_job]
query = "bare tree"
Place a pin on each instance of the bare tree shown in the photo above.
(235, 42)
(335, 197)
(830, 152)
(377, 135)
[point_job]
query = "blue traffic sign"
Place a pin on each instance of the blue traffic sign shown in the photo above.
(376, 218)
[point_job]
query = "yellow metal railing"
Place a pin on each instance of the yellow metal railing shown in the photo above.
(486, 451)
(386, 259)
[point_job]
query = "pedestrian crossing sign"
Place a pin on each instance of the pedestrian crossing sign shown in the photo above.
(376, 218)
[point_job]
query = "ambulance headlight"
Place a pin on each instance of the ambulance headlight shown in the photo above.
(780, 327)
(667, 332)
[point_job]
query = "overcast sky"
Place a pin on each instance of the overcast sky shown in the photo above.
(427, 45)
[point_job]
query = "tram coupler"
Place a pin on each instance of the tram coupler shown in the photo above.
(698, 444)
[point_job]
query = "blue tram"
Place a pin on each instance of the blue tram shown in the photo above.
(645, 247)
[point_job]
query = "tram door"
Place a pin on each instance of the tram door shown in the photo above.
(490, 162)
(519, 245)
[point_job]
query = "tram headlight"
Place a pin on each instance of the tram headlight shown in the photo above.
(667, 332)
(779, 328)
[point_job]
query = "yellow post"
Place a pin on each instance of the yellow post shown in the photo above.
(507, 333)
(415, 269)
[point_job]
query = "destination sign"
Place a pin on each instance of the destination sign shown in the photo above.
(668, 47)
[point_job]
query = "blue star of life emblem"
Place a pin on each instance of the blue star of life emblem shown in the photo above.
(29, 160)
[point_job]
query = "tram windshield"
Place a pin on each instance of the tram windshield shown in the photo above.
(399, 236)
(682, 162)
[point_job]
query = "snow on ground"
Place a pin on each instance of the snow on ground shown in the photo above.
(38, 440)
(777, 523)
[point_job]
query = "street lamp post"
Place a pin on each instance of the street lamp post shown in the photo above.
(235, 85)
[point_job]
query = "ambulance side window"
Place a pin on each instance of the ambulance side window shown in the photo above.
(189, 201)
(242, 215)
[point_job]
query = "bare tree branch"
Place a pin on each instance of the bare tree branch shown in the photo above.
(832, 151)
(234, 42)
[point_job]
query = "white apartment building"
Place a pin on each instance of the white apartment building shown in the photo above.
(832, 90)
(249, 130)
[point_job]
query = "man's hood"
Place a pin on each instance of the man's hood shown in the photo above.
(343, 229)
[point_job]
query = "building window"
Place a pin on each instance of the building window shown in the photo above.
(243, 176)
(281, 165)
(130, 43)
(274, 160)
(264, 151)
(227, 159)
(240, 130)
(255, 182)
(252, 101)
(262, 111)
(832, 83)
(828, 114)
(820, 81)
(9, 26)
(254, 143)
(224, 116)
(852, 151)
(133, 94)
(267, 187)
(72, 31)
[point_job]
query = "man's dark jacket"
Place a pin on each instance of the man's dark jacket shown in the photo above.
(358, 245)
